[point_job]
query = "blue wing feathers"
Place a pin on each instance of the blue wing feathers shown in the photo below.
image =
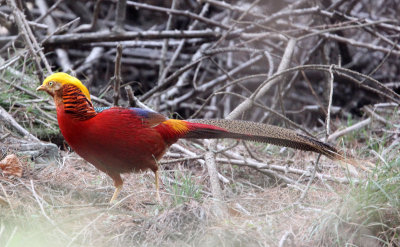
(137, 111)
(149, 118)
(99, 109)
(142, 112)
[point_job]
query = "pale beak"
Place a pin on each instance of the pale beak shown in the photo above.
(41, 88)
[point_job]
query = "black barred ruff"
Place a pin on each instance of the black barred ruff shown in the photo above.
(76, 103)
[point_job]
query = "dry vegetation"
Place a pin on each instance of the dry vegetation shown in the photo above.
(292, 64)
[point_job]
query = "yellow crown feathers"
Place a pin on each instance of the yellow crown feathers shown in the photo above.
(64, 78)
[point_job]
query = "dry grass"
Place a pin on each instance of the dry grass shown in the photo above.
(73, 196)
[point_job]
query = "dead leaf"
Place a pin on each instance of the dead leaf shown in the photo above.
(11, 166)
(3, 201)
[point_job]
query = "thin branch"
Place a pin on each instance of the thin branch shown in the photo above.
(30, 40)
(120, 16)
(178, 12)
(117, 75)
(162, 70)
(263, 88)
(8, 120)
(131, 96)
(104, 36)
(347, 130)
(328, 114)
(49, 10)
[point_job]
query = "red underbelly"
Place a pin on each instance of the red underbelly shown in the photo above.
(116, 148)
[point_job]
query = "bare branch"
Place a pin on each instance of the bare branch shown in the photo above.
(117, 75)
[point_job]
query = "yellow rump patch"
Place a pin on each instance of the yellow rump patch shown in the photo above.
(64, 78)
(177, 125)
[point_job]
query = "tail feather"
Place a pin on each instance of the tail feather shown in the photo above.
(245, 130)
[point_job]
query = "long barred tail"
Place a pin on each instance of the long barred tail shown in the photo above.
(238, 129)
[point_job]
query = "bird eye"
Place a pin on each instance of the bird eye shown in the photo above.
(50, 83)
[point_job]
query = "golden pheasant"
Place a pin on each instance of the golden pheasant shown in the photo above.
(120, 140)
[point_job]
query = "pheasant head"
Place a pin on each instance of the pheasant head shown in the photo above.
(54, 83)
(69, 94)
